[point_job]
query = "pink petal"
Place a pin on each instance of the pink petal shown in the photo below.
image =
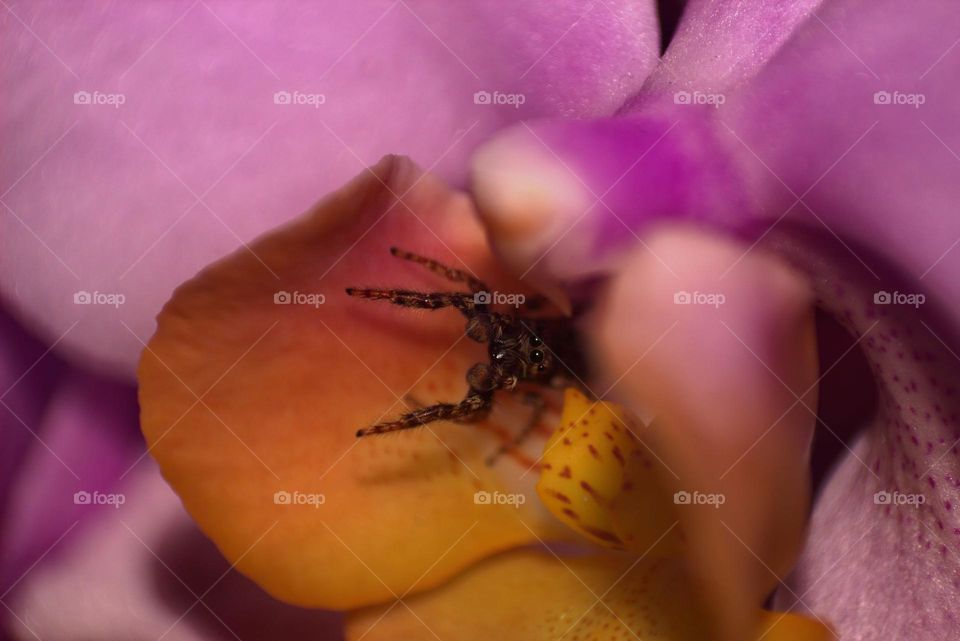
(85, 441)
(136, 573)
(860, 189)
(105, 199)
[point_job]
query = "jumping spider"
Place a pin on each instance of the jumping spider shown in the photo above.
(520, 348)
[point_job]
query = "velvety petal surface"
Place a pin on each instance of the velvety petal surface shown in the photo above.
(844, 145)
(251, 407)
(143, 141)
(84, 442)
(728, 368)
(139, 571)
(27, 381)
(719, 44)
(534, 594)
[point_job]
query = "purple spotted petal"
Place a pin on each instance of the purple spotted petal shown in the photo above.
(202, 125)
(842, 154)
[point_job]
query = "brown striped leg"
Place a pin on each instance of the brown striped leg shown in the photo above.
(473, 407)
(451, 274)
(423, 300)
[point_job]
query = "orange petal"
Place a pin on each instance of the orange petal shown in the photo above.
(531, 595)
(717, 342)
(243, 399)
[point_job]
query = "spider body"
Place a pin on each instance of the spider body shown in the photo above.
(519, 348)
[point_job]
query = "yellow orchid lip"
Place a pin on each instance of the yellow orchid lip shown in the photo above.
(602, 479)
(596, 463)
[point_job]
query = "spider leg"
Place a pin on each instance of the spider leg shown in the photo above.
(424, 300)
(539, 405)
(451, 274)
(416, 403)
(474, 406)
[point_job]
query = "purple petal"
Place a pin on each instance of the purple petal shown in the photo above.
(842, 154)
(720, 43)
(134, 198)
(141, 571)
(27, 380)
(85, 441)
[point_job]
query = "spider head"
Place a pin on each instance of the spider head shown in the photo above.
(524, 356)
(538, 360)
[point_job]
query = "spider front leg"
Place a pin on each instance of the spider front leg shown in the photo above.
(423, 300)
(474, 406)
(450, 273)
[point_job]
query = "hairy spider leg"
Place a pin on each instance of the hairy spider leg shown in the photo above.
(450, 273)
(424, 300)
(538, 403)
(474, 406)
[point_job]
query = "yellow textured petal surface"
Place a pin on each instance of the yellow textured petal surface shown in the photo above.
(530, 595)
(600, 478)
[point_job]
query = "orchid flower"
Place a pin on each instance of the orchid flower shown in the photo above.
(770, 159)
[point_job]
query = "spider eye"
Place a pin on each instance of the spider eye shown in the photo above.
(499, 356)
(541, 368)
(536, 356)
(536, 342)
